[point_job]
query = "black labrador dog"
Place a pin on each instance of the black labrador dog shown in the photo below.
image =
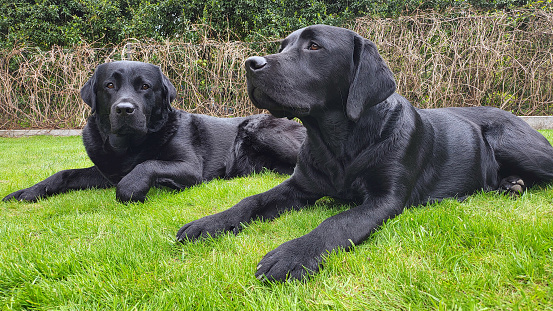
(368, 145)
(136, 140)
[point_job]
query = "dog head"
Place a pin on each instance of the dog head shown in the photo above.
(320, 68)
(129, 99)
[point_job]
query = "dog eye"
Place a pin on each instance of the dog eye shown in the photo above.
(145, 86)
(110, 85)
(313, 46)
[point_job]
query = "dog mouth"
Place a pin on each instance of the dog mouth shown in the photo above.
(262, 100)
(123, 137)
(128, 125)
(124, 130)
(128, 129)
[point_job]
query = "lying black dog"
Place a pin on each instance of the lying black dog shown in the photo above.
(368, 145)
(136, 140)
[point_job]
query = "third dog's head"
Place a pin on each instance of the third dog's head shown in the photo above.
(319, 69)
(129, 98)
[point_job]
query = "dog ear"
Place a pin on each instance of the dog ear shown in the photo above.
(161, 114)
(372, 81)
(170, 91)
(88, 94)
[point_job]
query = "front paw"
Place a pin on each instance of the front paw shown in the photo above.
(31, 194)
(131, 190)
(295, 259)
(209, 226)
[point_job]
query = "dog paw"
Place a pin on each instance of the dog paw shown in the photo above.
(31, 194)
(129, 196)
(131, 191)
(209, 226)
(512, 185)
(296, 259)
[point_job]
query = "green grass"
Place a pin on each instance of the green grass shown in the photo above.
(84, 251)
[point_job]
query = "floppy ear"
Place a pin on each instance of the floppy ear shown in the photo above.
(160, 116)
(372, 81)
(88, 94)
(170, 91)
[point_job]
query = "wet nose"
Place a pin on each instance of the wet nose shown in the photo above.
(124, 108)
(255, 62)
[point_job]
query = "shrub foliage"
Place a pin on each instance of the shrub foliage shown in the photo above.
(45, 23)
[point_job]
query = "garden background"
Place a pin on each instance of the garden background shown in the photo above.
(442, 52)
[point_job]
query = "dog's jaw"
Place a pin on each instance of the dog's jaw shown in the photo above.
(118, 143)
(262, 100)
(122, 143)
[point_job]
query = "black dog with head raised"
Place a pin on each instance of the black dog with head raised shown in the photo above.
(368, 145)
(137, 141)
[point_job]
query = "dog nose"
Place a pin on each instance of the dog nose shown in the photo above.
(255, 62)
(124, 108)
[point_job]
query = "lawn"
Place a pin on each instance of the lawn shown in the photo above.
(84, 251)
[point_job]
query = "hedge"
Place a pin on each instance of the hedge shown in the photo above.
(66, 23)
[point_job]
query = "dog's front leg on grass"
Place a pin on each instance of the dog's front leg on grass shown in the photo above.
(266, 205)
(136, 184)
(301, 257)
(73, 179)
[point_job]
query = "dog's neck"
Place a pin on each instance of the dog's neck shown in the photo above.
(330, 129)
(334, 129)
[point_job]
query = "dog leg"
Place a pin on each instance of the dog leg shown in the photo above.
(266, 205)
(136, 184)
(301, 257)
(74, 179)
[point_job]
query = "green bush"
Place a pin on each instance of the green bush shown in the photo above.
(45, 23)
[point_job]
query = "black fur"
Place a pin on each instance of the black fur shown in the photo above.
(368, 145)
(137, 141)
